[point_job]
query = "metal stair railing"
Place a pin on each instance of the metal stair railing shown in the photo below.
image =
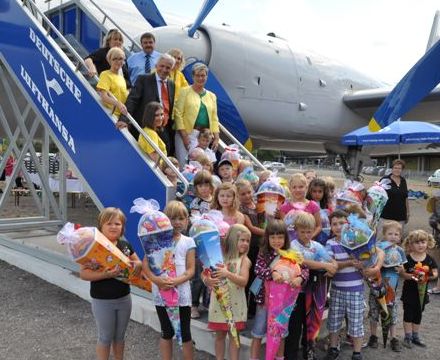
(114, 24)
(134, 44)
(34, 9)
(241, 147)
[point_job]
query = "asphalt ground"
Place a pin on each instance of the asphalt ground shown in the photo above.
(41, 321)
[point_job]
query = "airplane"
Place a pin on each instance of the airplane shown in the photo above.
(286, 99)
(272, 94)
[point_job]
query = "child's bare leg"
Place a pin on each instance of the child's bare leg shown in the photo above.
(220, 337)
(373, 327)
(188, 350)
(255, 348)
(280, 352)
(234, 351)
(102, 351)
(393, 331)
(357, 344)
(415, 328)
(118, 350)
(166, 349)
(407, 327)
(334, 340)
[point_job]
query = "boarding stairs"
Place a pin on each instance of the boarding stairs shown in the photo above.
(46, 67)
(108, 161)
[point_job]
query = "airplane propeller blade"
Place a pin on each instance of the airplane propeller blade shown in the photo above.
(413, 87)
(227, 112)
(203, 13)
(150, 12)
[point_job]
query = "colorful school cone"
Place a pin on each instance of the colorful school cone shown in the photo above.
(281, 299)
(223, 297)
(89, 247)
(270, 197)
(207, 238)
(421, 275)
(379, 291)
(376, 200)
(315, 298)
(156, 235)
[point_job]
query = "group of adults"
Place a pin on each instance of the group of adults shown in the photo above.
(128, 85)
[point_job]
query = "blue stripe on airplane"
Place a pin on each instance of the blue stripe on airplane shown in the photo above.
(150, 12)
(413, 87)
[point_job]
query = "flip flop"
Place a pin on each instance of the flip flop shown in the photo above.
(434, 291)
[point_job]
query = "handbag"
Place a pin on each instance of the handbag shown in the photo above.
(258, 283)
(256, 286)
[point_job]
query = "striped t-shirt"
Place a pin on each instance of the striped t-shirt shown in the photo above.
(346, 279)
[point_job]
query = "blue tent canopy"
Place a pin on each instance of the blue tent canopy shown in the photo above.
(398, 132)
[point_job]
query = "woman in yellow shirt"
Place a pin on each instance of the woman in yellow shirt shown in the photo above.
(195, 110)
(111, 81)
(176, 73)
(152, 123)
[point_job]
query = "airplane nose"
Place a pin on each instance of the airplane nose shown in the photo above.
(197, 48)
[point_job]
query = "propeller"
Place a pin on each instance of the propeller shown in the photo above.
(150, 12)
(203, 13)
(413, 87)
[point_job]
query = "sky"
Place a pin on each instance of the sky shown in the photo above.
(381, 38)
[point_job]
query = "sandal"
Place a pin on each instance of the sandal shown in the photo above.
(434, 291)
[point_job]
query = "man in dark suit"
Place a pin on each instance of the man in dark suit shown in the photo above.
(153, 87)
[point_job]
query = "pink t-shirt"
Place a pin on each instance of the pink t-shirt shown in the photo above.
(312, 207)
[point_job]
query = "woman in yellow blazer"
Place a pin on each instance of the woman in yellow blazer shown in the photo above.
(176, 73)
(195, 109)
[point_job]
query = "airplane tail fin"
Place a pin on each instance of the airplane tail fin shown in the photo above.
(434, 36)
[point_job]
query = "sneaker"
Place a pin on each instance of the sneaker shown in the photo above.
(195, 313)
(418, 342)
(373, 342)
(395, 345)
(332, 354)
(357, 356)
(407, 343)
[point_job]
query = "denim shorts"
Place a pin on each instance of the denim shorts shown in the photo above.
(260, 324)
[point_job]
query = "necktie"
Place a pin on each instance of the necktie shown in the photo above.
(165, 102)
(147, 64)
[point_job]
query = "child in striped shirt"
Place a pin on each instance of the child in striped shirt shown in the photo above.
(346, 294)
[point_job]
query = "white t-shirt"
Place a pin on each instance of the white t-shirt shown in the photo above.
(183, 245)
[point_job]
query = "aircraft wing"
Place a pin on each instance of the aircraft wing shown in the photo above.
(366, 102)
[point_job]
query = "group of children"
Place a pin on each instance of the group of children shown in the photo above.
(249, 252)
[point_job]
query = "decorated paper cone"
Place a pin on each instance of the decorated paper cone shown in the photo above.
(376, 200)
(280, 299)
(89, 247)
(315, 299)
(386, 324)
(156, 235)
(421, 273)
(207, 238)
(270, 197)
(359, 240)
(223, 297)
